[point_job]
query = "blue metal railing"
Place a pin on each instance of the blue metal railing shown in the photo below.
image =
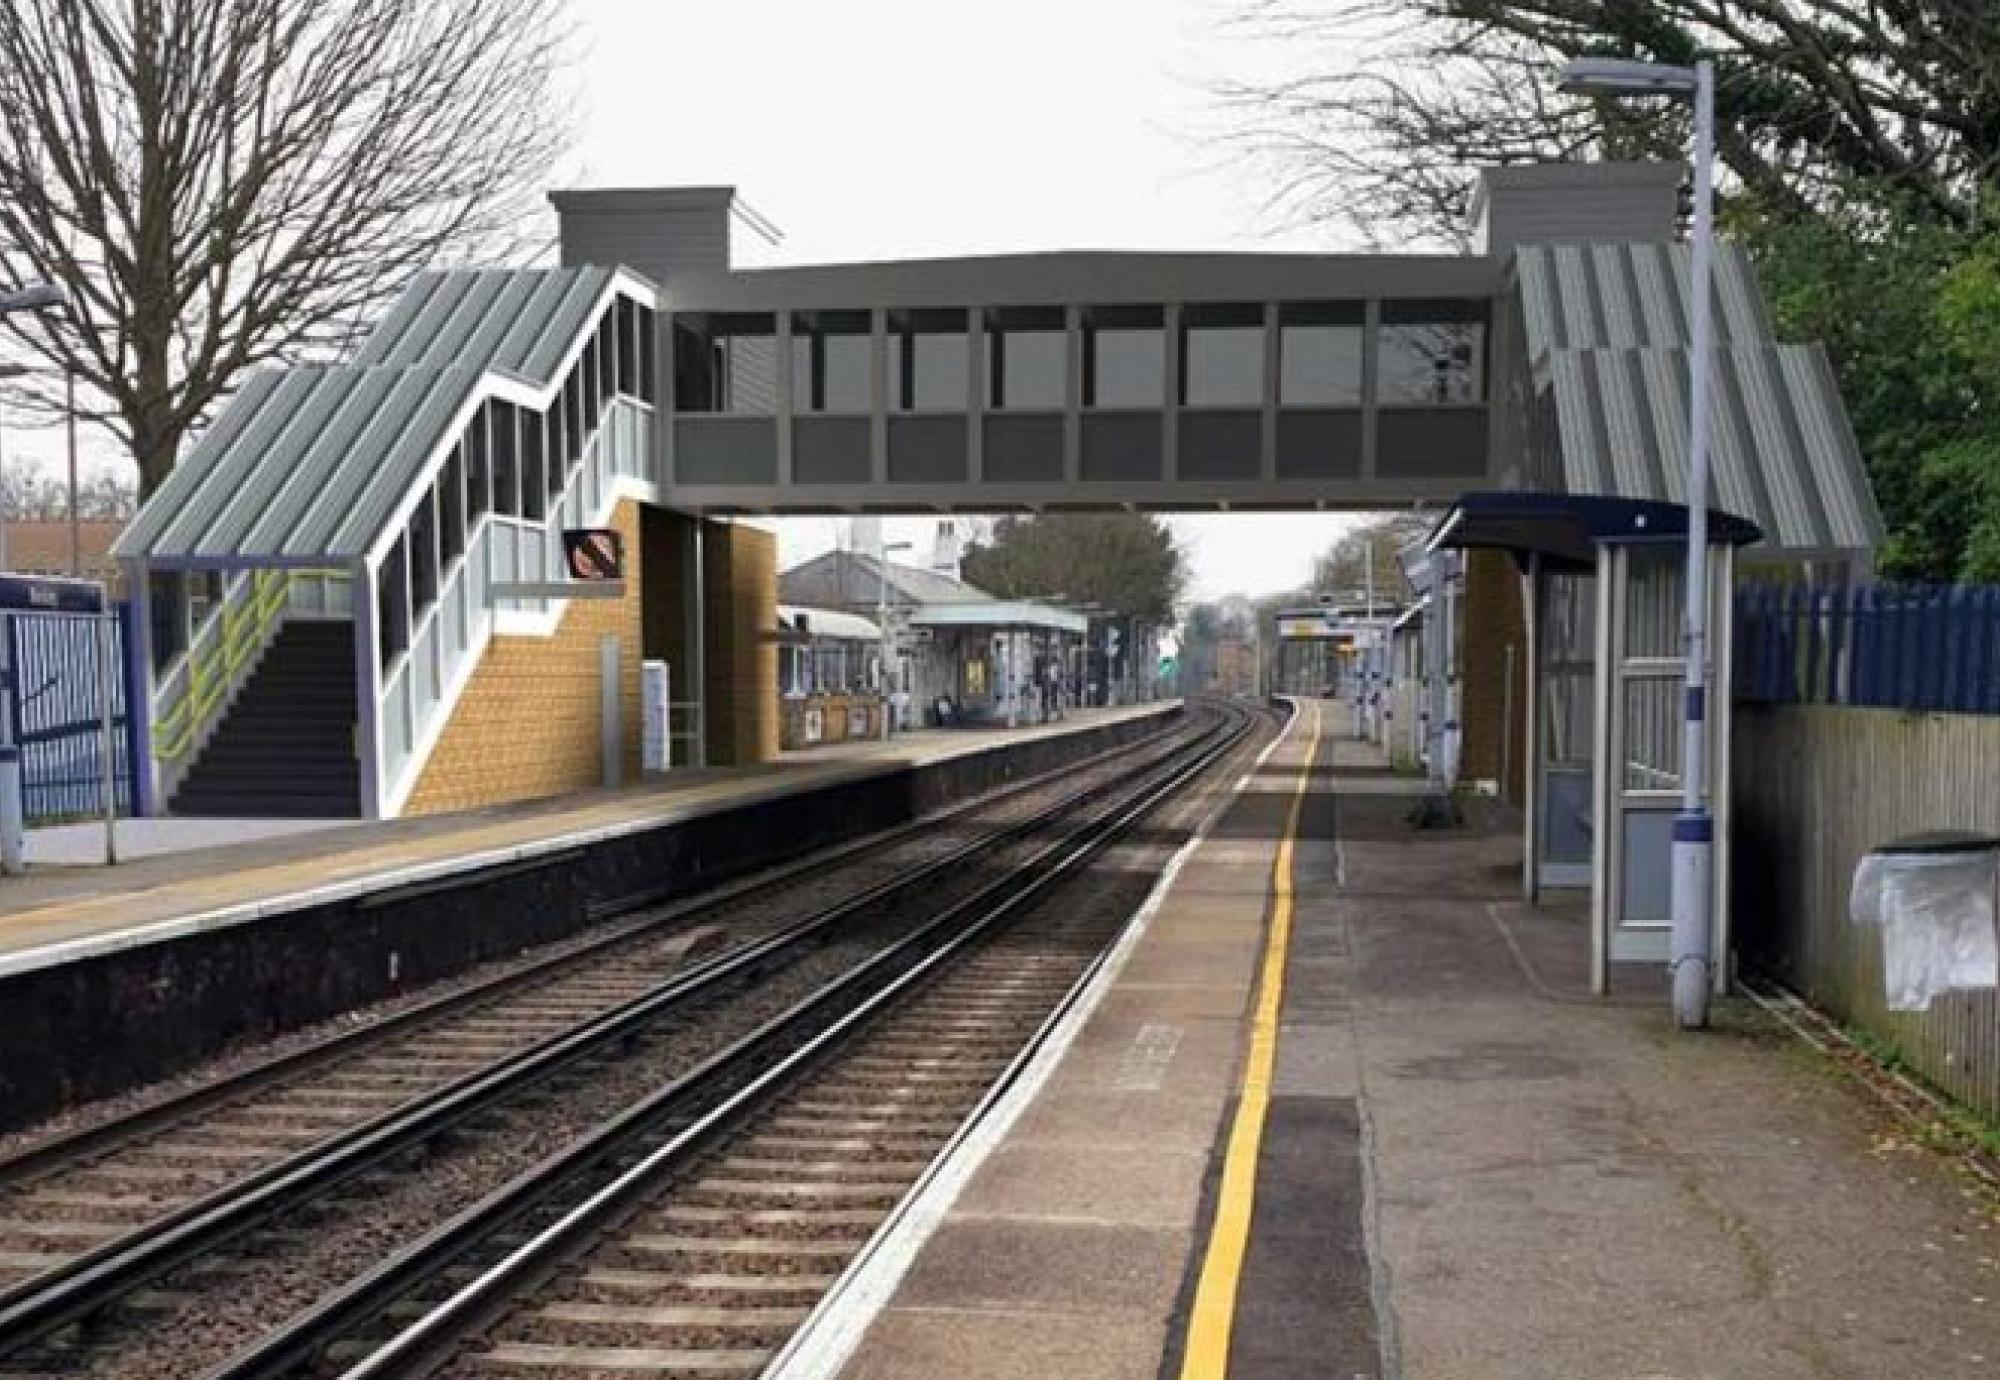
(1886, 646)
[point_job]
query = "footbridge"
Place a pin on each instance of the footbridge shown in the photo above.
(351, 527)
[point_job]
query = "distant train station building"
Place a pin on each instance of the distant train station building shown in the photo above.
(354, 581)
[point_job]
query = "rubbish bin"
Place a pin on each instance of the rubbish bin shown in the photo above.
(1935, 897)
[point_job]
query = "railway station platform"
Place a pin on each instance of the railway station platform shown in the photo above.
(1342, 1106)
(64, 914)
(190, 953)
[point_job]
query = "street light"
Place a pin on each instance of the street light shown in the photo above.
(1694, 830)
(882, 621)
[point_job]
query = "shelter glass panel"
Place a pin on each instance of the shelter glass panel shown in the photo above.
(1652, 733)
(929, 354)
(1320, 348)
(726, 362)
(1432, 352)
(1222, 356)
(1124, 358)
(1027, 360)
(833, 356)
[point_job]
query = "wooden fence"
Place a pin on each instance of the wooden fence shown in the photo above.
(1815, 787)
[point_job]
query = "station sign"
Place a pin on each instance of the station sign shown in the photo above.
(1310, 625)
(593, 553)
(49, 594)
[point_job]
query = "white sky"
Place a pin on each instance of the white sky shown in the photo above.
(872, 129)
(900, 128)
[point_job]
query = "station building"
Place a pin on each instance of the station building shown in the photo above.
(353, 580)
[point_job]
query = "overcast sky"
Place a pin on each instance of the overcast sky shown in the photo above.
(872, 129)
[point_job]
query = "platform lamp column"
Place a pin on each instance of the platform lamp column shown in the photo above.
(13, 835)
(1694, 828)
(882, 625)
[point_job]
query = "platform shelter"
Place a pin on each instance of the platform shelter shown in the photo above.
(1606, 661)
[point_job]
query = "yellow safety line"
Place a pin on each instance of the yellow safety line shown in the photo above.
(1206, 1356)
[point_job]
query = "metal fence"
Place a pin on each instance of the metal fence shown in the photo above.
(1887, 646)
(56, 711)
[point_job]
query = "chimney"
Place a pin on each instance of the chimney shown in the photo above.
(1575, 203)
(660, 231)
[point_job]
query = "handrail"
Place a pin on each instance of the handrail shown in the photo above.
(242, 626)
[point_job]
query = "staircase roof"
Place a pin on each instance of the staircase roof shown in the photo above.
(309, 465)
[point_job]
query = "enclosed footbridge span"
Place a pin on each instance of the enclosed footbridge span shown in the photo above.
(490, 410)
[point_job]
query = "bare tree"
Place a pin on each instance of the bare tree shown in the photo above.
(1343, 568)
(222, 184)
(1402, 97)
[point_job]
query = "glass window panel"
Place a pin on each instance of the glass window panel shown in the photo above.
(479, 471)
(1124, 366)
(1432, 352)
(1653, 733)
(726, 364)
(451, 498)
(392, 604)
(534, 486)
(423, 556)
(928, 369)
(649, 385)
(590, 384)
(1222, 366)
(556, 473)
(1320, 365)
(1027, 369)
(1653, 606)
(506, 486)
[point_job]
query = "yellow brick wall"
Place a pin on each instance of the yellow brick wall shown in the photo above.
(740, 587)
(528, 722)
(1493, 621)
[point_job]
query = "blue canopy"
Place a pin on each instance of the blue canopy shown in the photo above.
(1565, 530)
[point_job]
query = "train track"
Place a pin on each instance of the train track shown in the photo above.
(91, 1283)
(694, 1234)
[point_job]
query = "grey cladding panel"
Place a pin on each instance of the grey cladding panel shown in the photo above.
(927, 449)
(1319, 443)
(1431, 443)
(1220, 445)
(831, 450)
(725, 450)
(1024, 448)
(1121, 446)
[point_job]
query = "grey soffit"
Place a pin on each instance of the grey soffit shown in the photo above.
(307, 465)
(1782, 452)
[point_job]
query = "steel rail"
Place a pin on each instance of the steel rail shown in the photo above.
(64, 1151)
(96, 1279)
(899, 971)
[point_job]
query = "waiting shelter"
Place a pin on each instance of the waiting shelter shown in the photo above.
(1604, 598)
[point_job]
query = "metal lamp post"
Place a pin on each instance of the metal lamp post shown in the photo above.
(882, 622)
(1694, 829)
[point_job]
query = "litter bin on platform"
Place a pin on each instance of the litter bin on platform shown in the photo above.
(1936, 899)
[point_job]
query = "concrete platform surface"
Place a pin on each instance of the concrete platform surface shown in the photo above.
(237, 870)
(1464, 1167)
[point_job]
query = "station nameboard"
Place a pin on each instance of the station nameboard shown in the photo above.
(1310, 626)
